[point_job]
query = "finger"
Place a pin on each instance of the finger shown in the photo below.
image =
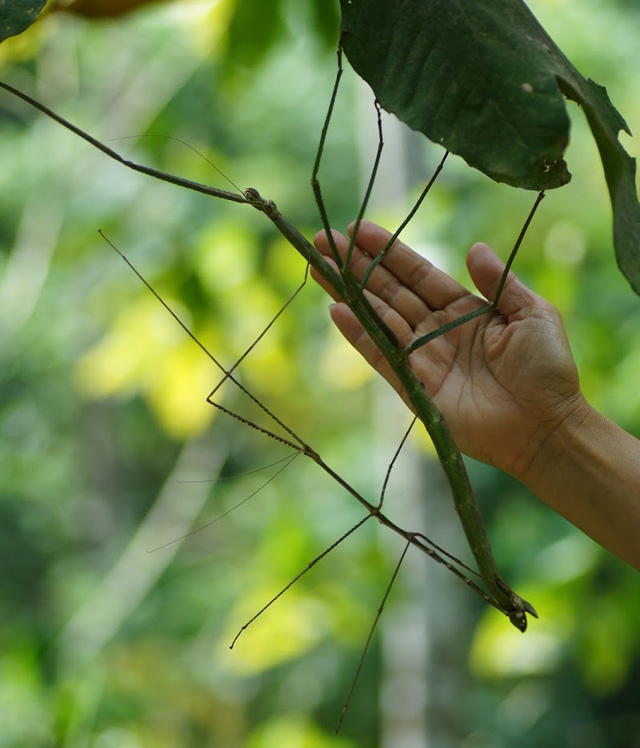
(434, 287)
(486, 268)
(346, 321)
(394, 321)
(321, 281)
(321, 242)
(384, 284)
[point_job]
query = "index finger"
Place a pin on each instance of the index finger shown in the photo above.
(433, 286)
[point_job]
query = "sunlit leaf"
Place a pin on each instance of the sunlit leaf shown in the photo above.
(294, 732)
(147, 352)
(225, 256)
(341, 367)
(178, 393)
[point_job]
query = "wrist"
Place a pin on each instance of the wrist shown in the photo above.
(553, 437)
(588, 470)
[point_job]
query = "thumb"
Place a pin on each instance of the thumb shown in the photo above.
(486, 268)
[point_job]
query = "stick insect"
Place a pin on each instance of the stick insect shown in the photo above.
(487, 582)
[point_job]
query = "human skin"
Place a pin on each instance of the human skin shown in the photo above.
(506, 382)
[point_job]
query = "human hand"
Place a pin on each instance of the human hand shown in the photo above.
(504, 381)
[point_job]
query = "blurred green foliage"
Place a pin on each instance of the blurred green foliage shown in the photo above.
(104, 431)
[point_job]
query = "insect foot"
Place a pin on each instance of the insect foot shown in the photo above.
(518, 613)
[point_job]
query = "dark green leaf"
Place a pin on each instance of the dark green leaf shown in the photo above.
(619, 169)
(17, 15)
(487, 82)
(477, 77)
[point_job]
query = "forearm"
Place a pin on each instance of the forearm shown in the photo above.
(589, 472)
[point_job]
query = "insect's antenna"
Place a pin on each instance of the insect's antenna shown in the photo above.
(290, 459)
(379, 257)
(188, 145)
(309, 566)
(237, 475)
(370, 637)
(393, 461)
(315, 184)
(492, 304)
(148, 170)
(372, 179)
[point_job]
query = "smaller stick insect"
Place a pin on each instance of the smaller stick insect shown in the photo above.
(497, 592)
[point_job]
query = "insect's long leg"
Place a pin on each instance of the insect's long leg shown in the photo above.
(309, 566)
(419, 540)
(315, 184)
(228, 375)
(301, 447)
(276, 437)
(385, 483)
(370, 637)
(262, 334)
(353, 292)
(393, 461)
(380, 257)
(446, 554)
(367, 194)
(492, 304)
(418, 536)
(516, 247)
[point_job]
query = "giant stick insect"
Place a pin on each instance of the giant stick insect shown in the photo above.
(351, 290)
(548, 171)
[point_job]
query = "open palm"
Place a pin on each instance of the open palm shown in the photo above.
(503, 381)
